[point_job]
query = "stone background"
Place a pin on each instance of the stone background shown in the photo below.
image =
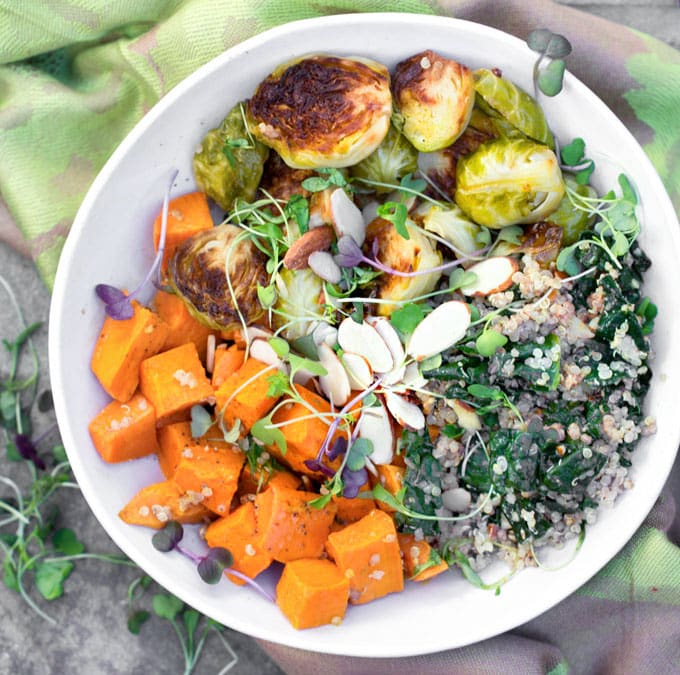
(90, 635)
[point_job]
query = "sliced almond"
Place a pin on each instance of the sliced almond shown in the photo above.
(358, 369)
(467, 417)
(493, 275)
(324, 332)
(253, 332)
(439, 330)
(363, 339)
(406, 413)
(375, 425)
(303, 377)
(262, 351)
(210, 353)
(323, 265)
(335, 383)
(316, 239)
(391, 338)
(413, 378)
(370, 212)
(347, 218)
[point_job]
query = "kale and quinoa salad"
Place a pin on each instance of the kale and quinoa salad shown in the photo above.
(445, 319)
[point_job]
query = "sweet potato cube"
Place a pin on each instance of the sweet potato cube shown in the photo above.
(123, 431)
(368, 554)
(351, 510)
(304, 437)
(312, 593)
(174, 381)
(391, 477)
(251, 483)
(237, 533)
(213, 474)
(182, 327)
(227, 361)
(122, 346)
(421, 561)
(289, 527)
(156, 504)
(187, 215)
(243, 395)
(173, 440)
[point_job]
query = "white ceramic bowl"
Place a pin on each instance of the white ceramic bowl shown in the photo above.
(111, 242)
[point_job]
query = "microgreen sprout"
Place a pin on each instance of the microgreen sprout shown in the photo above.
(117, 303)
(574, 159)
(327, 178)
(548, 78)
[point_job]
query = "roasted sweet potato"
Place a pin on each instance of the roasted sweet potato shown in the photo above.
(121, 347)
(288, 527)
(187, 215)
(243, 395)
(174, 381)
(182, 327)
(312, 592)
(156, 504)
(367, 552)
(391, 477)
(237, 532)
(213, 474)
(251, 483)
(123, 431)
(421, 561)
(351, 510)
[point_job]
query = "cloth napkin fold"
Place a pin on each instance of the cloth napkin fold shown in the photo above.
(76, 75)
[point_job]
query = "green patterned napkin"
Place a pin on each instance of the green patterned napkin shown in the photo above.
(78, 74)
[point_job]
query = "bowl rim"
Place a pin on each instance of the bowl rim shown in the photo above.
(58, 376)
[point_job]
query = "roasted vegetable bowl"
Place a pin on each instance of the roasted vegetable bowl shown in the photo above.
(406, 338)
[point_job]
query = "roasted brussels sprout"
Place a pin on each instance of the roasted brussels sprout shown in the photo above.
(435, 96)
(298, 302)
(509, 182)
(322, 111)
(390, 162)
(405, 255)
(281, 181)
(228, 165)
(450, 223)
(503, 99)
(216, 273)
(440, 166)
(573, 221)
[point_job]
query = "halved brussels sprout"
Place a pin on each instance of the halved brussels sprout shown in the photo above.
(390, 162)
(322, 111)
(573, 221)
(435, 96)
(207, 264)
(509, 182)
(298, 302)
(507, 100)
(440, 166)
(405, 255)
(229, 166)
(450, 223)
(281, 181)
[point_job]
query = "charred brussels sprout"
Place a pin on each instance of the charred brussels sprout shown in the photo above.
(298, 304)
(216, 273)
(322, 111)
(505, 101)
(435, 96)
(509, 182)
(450, 223)
(394, 158)
(229, 166)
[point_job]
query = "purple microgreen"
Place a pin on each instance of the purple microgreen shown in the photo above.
(349, 252)
(117, 304)
(212, 566)
(169, 537)
(26, 448)
(353, 482)
(252, 583)
(338, 448)
(317, 465)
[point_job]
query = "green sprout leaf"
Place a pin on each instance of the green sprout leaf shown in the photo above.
(459, 278)
(396, 213)
(211, 567)
(66, 542)
(280, 346)
(298, 363)
(136, 620)
(647, 311)
(489, 342)
(357, 453)
(262, 431)
(406, 318)
(550, 44)
(166, 606)
(50, 577)
(168, 537)
(551, 77)
(297, 208)
(328, 178)
(512, 234)
(279, 384)
(267, 295)
(201, 421)
(573, 153)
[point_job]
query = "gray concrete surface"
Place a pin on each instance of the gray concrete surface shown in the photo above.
(90, 635)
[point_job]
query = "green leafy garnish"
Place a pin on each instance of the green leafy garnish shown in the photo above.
(396, 213)
(489, 341)
(406, 318)
(573, 156)
(554, 47)
(328, 178)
